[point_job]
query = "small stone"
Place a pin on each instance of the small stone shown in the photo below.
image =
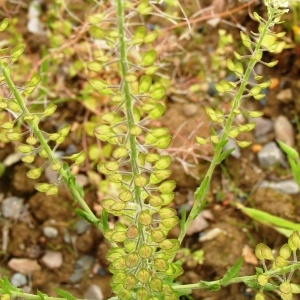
(285, 95)
(82, 180)
(232, 144)
(12, 207)
(82, 226)
(12, 159)
(211, 234)
(50, 232)
(18, 280)
(76, 276)
(262, 126)
(285, 186)
(190, 109)
(25, 266)
(94, 292)
(284, 131)
(200, 223)
(52, 259)
(270, 155)
(249, 255)
(85, 262)
(51, 175)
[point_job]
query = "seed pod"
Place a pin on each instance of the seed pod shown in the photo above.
(119, 236)
(129, 245)
(156, 201)
(124, 295)
(34, 173)
(156, 284)
(114, 253)
(263, 252)
(170, 244)
(132, 260)
(145, 218)
(262, 279)
(145, 251)
(167, 212)
(170, 223)
(157, 235)
(125, 196)
(129, 282)
(295, 239)
(117, 278)
(285, 287)
(285, 251)
(119, 264)
(143, 275)
(280, 261)
(161, 264)
(259, 296)
(142, 294)
(132, 232)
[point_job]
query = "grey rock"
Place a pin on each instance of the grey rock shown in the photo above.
(50, 232)
(82, 265)
(52, 259)
(12, 207)
(94, 292)
(82, 226)
(51, 175)
(232, 144)
(18, 280)
(263, 126)
(285, 186)
(270, 155)
(284, 131)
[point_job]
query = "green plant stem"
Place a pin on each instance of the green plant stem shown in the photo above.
(243, 279)
(65, 174)
(128, 104)
(202, 191)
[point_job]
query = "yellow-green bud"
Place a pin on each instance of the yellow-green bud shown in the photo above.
(132, 260)
(145, 251)
(285, 251)
(262, 279)
(285, 287)
(259, 296)
(129, 282)
(145, 218)
(263, 252)
(143, 275)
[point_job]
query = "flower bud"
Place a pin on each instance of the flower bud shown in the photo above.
(280, 262)
(170, 244)
(157, 236)
(129, 245)
(142, 294)
(124, 294)
(259, 296)
(119, 264)
(262, 279)
(161, 264)
(156, 201)
(295, 239)
(167, 212)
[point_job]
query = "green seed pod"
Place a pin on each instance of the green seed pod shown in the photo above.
(142, 294)
(24, 148)
(285, 287)
(56, 166)
(262, 279)
(280, 262)
(157, 235)
(120, 152)
(107, 203)
(263, 252)
(145, 251)
(132, 232)
(295, 288)
(148, 58)
(13, 136)
(143, 275)
(129, 245)
(163, 141)
(291, 245)
(259, 296)
(145, 218)
(295, 239)
(119, 236)
(288, 296)
(28, 159)
(167, 187)
(118, 206)
(167, 212)
(161, 264)
(129, 282)
(132, 260)
(136, 130)
(168, 198)
(140, 181)
(155, 201)
(52, 191)
(115, 177)
(7, 125)
(119, 264)
(111, 166)
(43, 153)
(145, 84)
(117, 278)
(170, 223)
(167, 290)
(34, 173)
(163, 163)
(170, 244)
(114, 253)
(285, 251)
(156, 284)
(159, 175)
(152, 157)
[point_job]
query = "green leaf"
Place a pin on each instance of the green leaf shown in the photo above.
(232, 272)
(65, 294)
(224, 154)
(291, 152)
(84, 215)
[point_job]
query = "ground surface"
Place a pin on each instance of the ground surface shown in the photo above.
(34, 227)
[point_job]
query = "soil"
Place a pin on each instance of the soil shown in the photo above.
(237, 181)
